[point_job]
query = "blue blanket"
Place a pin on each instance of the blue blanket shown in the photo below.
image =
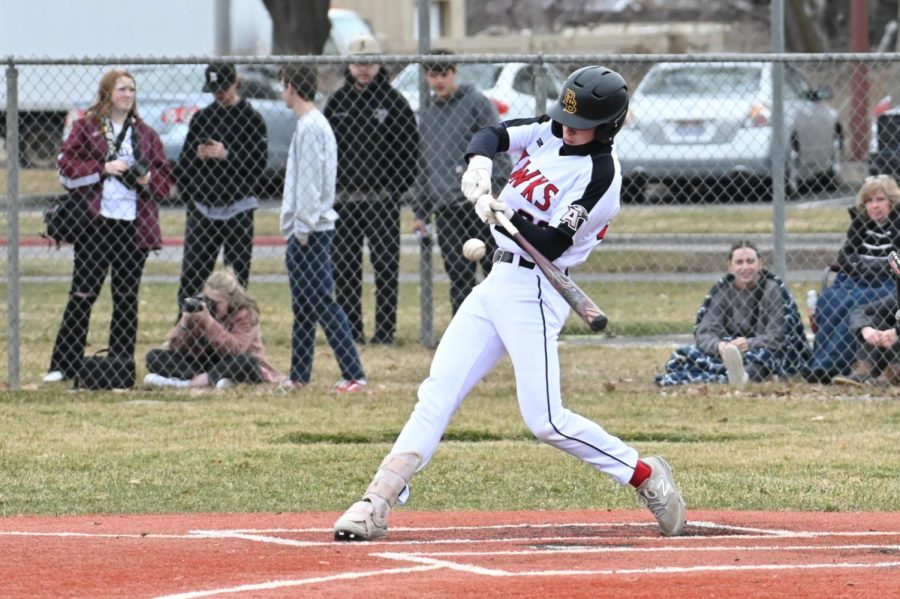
(688, 364)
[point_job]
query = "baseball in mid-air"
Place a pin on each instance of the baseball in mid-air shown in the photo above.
(474, 249)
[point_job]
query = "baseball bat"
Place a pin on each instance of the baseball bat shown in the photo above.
(572, 293)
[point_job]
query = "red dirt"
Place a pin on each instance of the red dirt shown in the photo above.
(485, 554)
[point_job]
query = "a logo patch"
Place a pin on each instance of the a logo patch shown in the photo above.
(574, 217)
(569, 103)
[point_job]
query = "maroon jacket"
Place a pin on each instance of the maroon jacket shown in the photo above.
(81, 161)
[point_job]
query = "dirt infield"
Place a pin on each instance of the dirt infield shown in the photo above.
(428, 554)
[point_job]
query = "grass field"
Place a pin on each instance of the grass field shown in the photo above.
(784, 446)
(776, 446)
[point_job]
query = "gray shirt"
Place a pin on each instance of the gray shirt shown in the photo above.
(730, 314)
(444, 133)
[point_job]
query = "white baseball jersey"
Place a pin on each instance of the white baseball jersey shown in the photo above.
(552, 184)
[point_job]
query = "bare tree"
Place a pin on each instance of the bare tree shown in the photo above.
(299, 27)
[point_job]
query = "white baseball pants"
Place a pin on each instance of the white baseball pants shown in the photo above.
(513, 311)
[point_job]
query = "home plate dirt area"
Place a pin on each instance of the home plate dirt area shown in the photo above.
(458, 554)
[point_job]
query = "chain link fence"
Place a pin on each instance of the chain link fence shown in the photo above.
(715, 149)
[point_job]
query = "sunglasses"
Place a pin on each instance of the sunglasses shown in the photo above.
(871, 178)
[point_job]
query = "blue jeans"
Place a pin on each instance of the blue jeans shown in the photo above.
(312, 302)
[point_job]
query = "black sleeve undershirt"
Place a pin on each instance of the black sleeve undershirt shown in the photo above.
(549, 241)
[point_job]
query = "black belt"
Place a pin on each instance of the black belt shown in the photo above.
(508, 257)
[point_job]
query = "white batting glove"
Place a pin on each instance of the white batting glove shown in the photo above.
(486, 205)
(483, 209)
(476, 181)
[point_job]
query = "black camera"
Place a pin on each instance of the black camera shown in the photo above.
(195, 304)
(134, 172)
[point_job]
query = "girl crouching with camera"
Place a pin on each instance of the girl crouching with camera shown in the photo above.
(217, 341)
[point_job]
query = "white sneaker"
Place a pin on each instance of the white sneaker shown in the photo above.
(54, 376)
(362, 522)
(158, 380)
(734, 365)
(662, 496)
(223, 384)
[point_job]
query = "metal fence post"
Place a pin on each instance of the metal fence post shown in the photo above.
(779, 150)
(540, 86)
(426, 269)
(13, 320)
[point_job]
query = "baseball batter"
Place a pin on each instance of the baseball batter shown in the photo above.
(561, 195)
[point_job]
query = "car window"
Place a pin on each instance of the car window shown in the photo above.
(702, 80)
(260, 90)
(797, 83)
(480, 76)
(524, 83)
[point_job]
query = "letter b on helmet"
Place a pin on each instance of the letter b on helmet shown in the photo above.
(593, 97)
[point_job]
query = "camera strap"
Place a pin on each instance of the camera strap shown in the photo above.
(115, 145)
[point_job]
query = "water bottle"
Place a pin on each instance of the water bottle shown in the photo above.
(811, 299)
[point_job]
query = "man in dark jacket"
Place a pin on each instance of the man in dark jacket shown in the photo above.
(377, 161)
(455, 113)
(223, 157)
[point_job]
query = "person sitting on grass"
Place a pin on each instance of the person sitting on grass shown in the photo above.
(217, 341)
(864, 276)
(878, 353)
(748, 329)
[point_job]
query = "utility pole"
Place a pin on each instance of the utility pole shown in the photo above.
(859, 81)
(222, 25)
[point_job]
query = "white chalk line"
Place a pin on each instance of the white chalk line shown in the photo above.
(587, 550)
(280, 584)
(98, 535)
(631, 571)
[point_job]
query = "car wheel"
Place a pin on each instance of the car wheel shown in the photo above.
(792, 179)
(833, 178)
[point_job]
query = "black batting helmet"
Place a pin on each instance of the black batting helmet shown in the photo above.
(592, 97)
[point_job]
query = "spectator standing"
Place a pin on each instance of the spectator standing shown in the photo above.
(446, 126)
(100, 163)
(748, 329)
(864, 276)
(217, 341)
(307, 223)
(223, 158)
(377, 160)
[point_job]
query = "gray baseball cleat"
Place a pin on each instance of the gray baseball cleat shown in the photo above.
(661, 495)
(362, 522)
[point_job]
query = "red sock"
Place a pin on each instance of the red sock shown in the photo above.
(641, 473)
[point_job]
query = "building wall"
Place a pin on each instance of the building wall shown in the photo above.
(395, 21)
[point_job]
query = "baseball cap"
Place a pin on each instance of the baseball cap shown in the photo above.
(219, 76)
(363, 45)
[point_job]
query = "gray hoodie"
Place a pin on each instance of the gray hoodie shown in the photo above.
(445, 129)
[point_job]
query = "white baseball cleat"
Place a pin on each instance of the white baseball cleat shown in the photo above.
(361, 522)
(662, 496)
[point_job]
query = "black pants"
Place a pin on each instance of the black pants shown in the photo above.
(109, 246)
(203, 237)
(455, 225)
(379, 223)
(240, 368)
